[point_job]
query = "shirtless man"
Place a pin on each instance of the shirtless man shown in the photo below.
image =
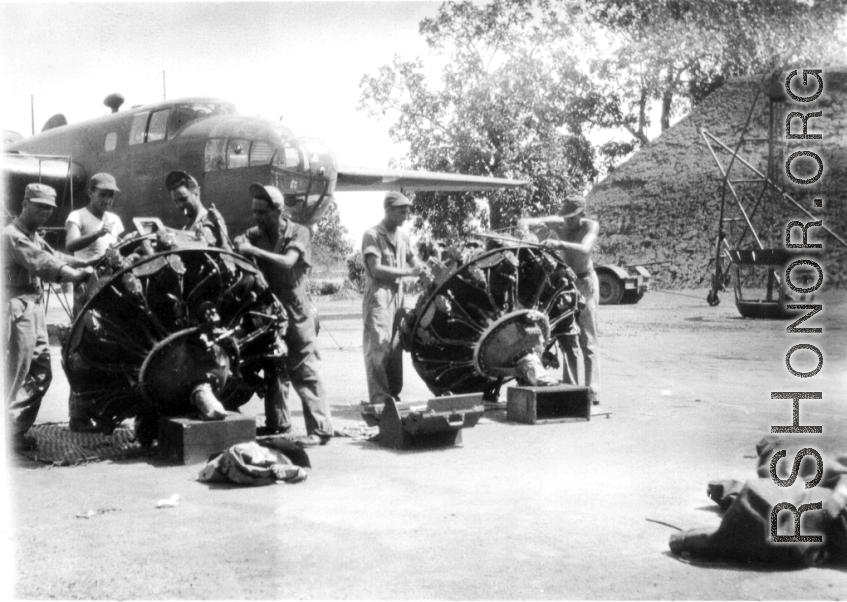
(576, 238)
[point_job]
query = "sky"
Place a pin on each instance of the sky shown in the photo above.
(301, 61)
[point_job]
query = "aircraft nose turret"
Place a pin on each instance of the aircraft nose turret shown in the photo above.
(305, 170)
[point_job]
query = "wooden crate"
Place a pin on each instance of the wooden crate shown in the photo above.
(189, 441)
(537, 405)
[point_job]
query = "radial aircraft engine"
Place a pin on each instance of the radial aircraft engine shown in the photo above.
(164, 314)
(490, 315)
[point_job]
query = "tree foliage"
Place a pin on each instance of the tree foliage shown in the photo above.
(505, 107)
(330, 241)
(524, 83)
(676, 52)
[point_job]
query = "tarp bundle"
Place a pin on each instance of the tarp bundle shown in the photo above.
(744, 534)
(253, 464)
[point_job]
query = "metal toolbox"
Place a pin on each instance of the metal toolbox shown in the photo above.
(437, 422)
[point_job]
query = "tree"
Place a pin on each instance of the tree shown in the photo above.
(512, 103)
(676, 52)
(330, 242)
(526, 81)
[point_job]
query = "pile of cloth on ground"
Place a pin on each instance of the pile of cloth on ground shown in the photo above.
(251, 463)
(744, 534)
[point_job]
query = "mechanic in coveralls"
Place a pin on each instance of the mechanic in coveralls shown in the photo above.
(282, 249)
(388, 258)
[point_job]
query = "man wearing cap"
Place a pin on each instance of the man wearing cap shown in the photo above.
(90, 232)
(282, 250)
(575, 242)
(94, 228)
(388, 258)
(207, 224)
(27, 260)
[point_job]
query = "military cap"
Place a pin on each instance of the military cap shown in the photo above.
(104, 181)
(40, 193)
(176, 178)
(395, 199)
(271, 194)
(573, 204)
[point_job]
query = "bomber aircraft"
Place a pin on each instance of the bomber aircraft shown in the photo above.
(205, 137)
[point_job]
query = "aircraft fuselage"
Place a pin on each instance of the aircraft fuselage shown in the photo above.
(205, 137)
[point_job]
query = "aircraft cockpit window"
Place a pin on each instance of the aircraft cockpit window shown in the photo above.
(237, 153)
(111, 141)
(292, 157)
(158, 125)
(139, 128)
(183, 114)
(260, 153)
(215, 154)
(287, 157)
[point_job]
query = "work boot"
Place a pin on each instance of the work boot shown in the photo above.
(313, 440)
(267, 431)
(207, 404)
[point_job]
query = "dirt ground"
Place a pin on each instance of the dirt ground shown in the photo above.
(555, 511)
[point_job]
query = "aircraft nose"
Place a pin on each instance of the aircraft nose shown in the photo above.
(305, 170)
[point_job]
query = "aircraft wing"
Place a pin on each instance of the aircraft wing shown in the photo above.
(352, 179)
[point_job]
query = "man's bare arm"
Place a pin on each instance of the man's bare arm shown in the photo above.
(584, 246)
(550, 220)
(71, 274)
(75, 241)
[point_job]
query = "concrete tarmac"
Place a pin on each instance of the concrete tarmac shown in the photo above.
(554, 511)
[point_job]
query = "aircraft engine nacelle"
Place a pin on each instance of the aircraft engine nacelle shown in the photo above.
(491, 315)
(67, 177)
(164, 314)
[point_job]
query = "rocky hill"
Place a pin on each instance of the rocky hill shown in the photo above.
(662, 205)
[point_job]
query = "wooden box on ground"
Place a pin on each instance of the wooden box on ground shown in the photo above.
(190, 441)
(559, 403)
(424, 424)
